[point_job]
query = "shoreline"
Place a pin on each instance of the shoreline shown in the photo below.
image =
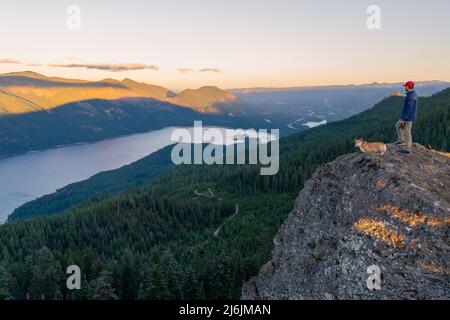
(85, 143)
(82, 143)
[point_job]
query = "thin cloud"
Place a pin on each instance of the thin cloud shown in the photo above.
(185, 70)
(34, 64)
(215, 70)
(109, 67)
(9, 61)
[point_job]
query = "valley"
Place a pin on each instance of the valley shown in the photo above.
(164, 233)
(39, 112)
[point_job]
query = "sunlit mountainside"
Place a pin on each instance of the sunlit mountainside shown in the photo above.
(203, 99)
(24, 92)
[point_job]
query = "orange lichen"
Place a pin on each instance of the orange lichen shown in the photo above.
(413, 219)
(381, 184)
(438, 222)
(403, 215)
(433, 267)
(379, 230)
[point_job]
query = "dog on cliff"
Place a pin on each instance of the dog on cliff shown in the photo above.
(370, 147)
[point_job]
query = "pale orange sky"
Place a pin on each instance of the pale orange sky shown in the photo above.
(231, 43)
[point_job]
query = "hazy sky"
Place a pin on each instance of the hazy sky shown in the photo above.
(244, 43)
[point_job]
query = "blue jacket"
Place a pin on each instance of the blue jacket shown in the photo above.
(409, 112)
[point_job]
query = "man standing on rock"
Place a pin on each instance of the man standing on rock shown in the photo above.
(408, 116)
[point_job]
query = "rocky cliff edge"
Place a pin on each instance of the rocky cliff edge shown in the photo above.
(365, 227)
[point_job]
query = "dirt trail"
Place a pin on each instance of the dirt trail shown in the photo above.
(210, 194)
(216, 233)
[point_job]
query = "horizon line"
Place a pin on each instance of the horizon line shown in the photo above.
(233, 88)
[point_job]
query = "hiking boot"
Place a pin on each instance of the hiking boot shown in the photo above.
(404, 151)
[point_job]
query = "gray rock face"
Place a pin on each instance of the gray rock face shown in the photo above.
(358, 215)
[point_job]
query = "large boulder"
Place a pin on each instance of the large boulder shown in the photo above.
(358, 215)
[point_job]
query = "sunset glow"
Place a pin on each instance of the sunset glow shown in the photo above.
(230, 44)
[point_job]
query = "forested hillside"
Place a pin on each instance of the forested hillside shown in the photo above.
(158, 242)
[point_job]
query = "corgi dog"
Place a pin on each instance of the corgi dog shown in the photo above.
(369, 147)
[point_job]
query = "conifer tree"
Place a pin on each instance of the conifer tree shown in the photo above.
(103, 289)
(155, 286)
(46, 277)
(4, 285)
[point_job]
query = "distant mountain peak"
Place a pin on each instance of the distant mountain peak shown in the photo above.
(204, 99)
(210, 88)
(128, 80)
(110, 80)
(29, 74)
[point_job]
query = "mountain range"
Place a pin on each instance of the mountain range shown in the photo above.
(23, 92)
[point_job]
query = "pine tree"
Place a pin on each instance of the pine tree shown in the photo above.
(155, 286)
(127, 277)
(194, 289)
(4, 285)
(175, 275)
(46, 277)
(103, 289)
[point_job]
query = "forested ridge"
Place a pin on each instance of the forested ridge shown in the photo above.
(157, 242)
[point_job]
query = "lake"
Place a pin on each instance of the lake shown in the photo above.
(32, 175)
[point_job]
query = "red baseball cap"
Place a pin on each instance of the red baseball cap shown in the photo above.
(409, 84)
